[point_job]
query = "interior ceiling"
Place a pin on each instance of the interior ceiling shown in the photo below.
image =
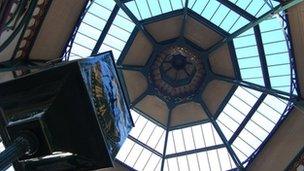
(179, 89)
(168, 102)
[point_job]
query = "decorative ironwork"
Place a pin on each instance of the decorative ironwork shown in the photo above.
(177, 72)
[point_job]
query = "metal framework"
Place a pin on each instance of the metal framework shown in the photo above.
(266, 90)
(228, 38)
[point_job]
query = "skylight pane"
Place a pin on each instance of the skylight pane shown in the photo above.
(173, 164)
(228, 121)
(198, 136)
(241, 155)
(211, 9)
(216, 136)
(277, 55)
(195, 137)
(94, 32)
(80, 50)
(125, 149)
(193, 162)
(142, 159)
(108, 4)
(147, 132)
(134, 115)
(183, 162)
(247, 51)
(90, 18)
(258, 130)
(139, 126)
(275, 103)
(165, 6)
(214, 160)
(143, 9)
(218, 14)
(105, 47)
(261, 119)
(240, 104)
(156, 137)
(250, 138)
(232, 112)
(204, 161)
(271, 114)
(132, 5)
(254, 7)
(166, 165)
(198, 6)
(207, 131)
(170, 144)
(176, 4)
(133, 155)
(178, 141)
(90, 28)
(160, 144)
(118, 34)
(259, 126)
(99, 9)
(158, 166)
(236, 110)
(240, 22)
(225, 159)
(155, 7)
(188, 138)
(225, 129)
(153, 162)
(244, 146)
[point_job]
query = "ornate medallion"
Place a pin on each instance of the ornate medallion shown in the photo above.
(177, 72)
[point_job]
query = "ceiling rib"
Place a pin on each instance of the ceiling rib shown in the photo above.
(283, 6)
(131, 68)
(166, 139)
(138, 24)
(139, 98)
(198, 150)
(276, 93)
(234, 61)
(237, 9)
(226, 100)
(145, 146)
(105, 30)
(248, 117)
(184, 19)
(262, 56)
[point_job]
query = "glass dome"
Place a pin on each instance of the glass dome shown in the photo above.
(248, 84)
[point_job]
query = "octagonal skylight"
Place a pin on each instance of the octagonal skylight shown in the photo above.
(250, 91)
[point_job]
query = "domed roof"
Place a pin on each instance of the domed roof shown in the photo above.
(208, 82)
(175, 73)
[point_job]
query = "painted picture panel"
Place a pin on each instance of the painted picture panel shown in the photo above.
(103, 85)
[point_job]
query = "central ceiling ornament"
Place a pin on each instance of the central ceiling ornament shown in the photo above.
(177, 71)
